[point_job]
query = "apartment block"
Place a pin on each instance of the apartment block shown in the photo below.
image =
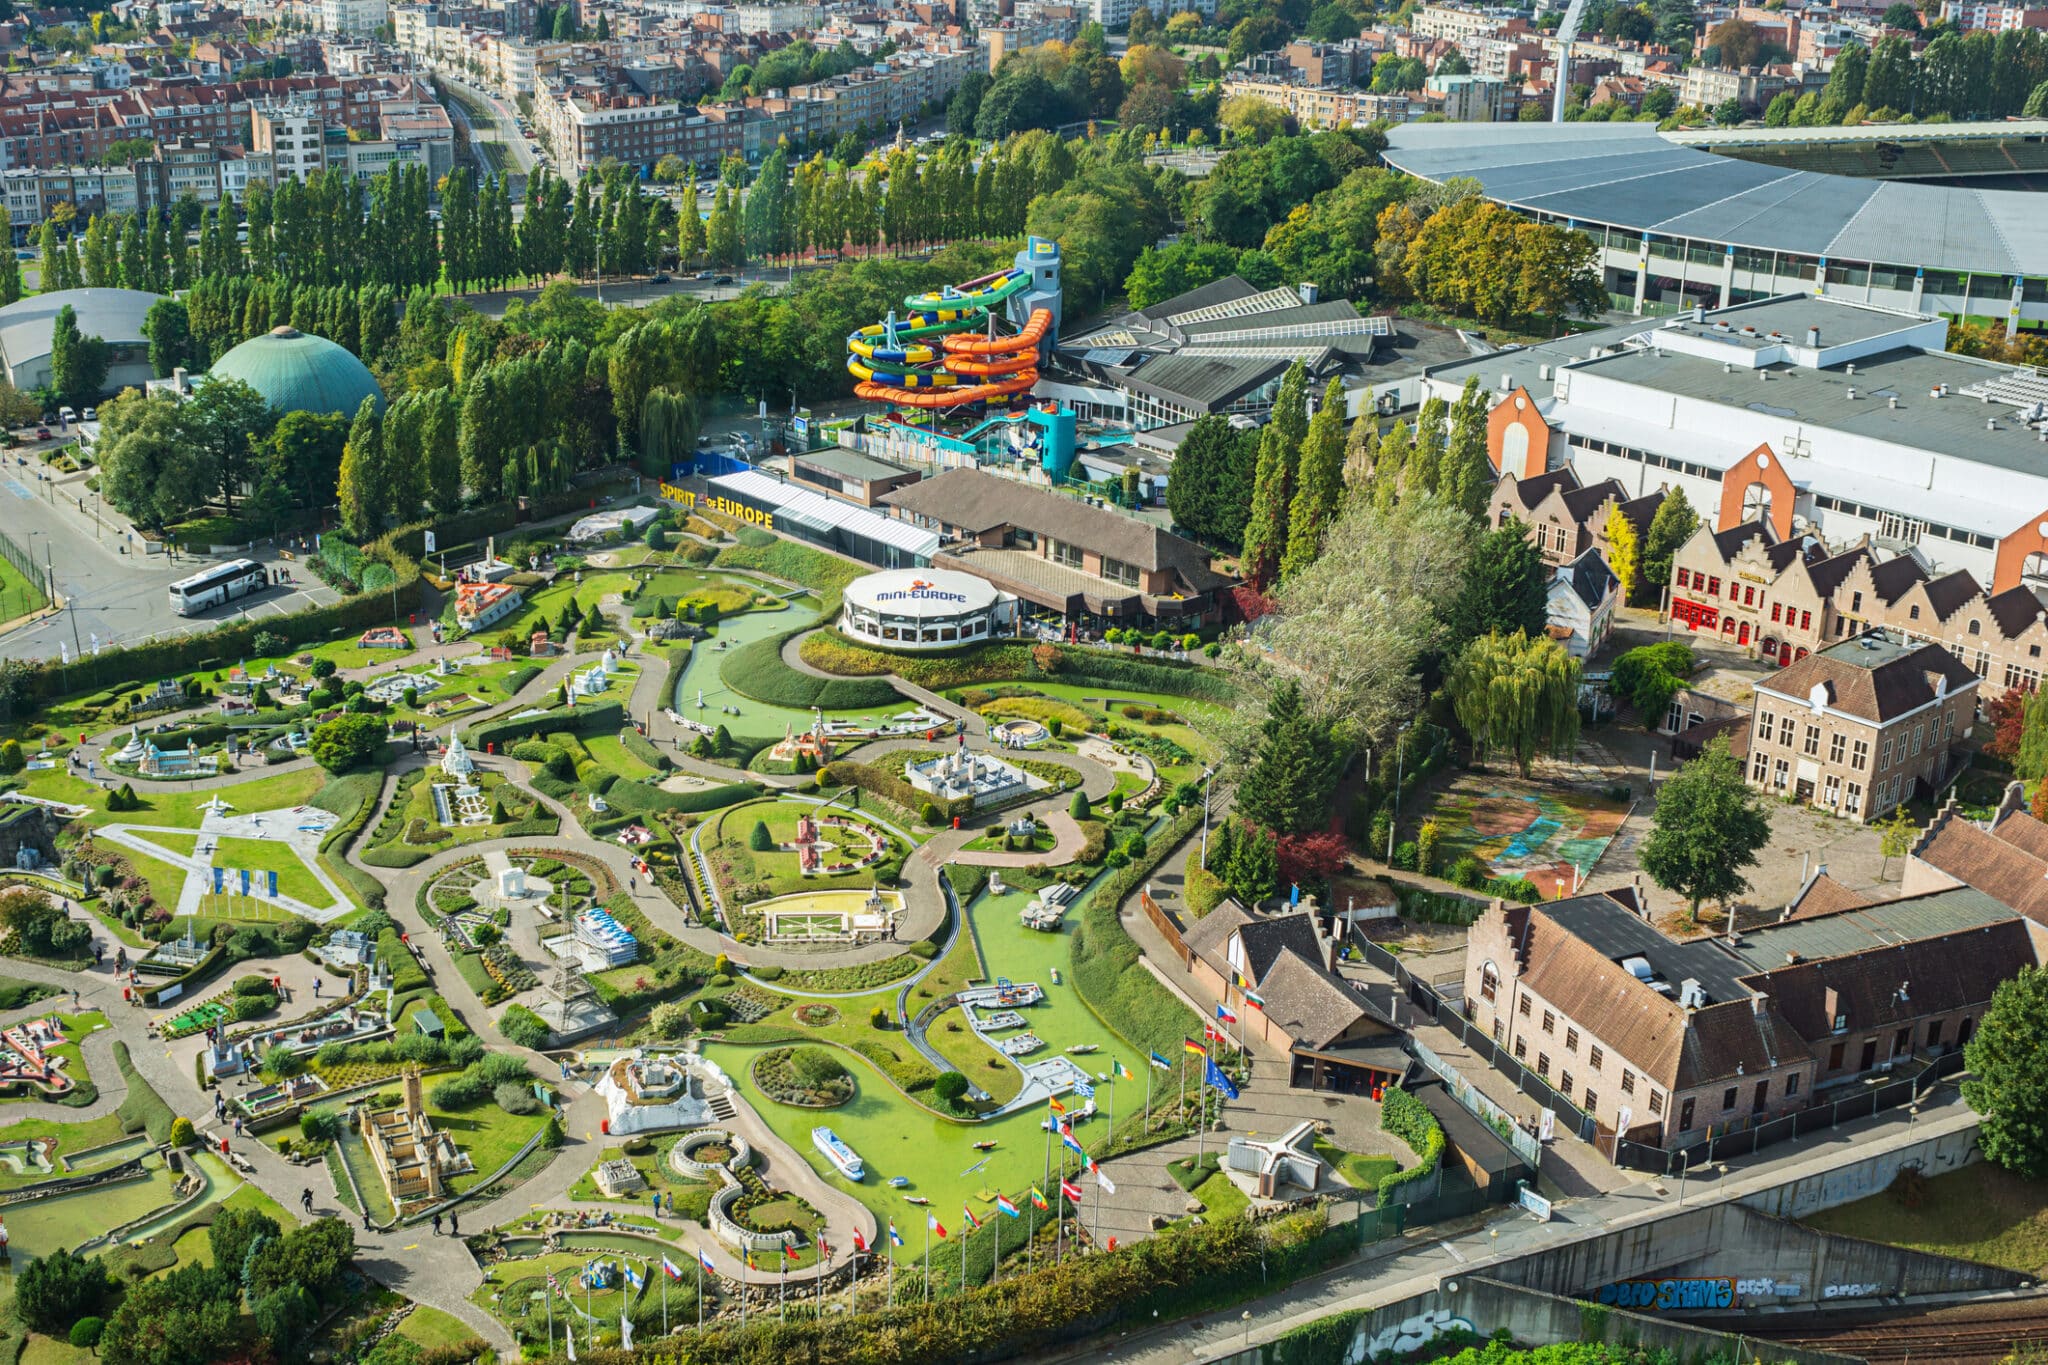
(293, 137)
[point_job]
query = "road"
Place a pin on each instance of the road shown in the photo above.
(113, 589)
(503, 128)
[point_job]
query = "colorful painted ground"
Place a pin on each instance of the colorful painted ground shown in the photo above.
(1548, 835)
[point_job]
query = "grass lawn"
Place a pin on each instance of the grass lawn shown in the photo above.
(19, 595)
(411, 826)
(1220, 1198)
(1980, 1213)
(1357, 1169)
(72, 1138)
(730, 595)
(1196, 720)
(294, 878)
(611, 755)
(738, 864)
(186, 844)
(488, 1134)
(512, 1293)
(430, 1328)
(177, 807)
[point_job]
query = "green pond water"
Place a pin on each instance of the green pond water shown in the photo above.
(895, 1137)
(756, 718)
(41, 1226)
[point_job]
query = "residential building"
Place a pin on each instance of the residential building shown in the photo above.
(366, 17)
(1580, 604)
(1859, 727)
(2005, 857)
(1968, 17)
(586, 127)
(1089, 564)
(1468, 99)
(33, 195)
(293, 136)
(1669, 1042)
(1564, 519)
(1458, 25)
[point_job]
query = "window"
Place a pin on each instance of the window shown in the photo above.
(1757, 769)
(1831, 788)
(1489, 981)
(1116, 571)
(1976, 628)
(1749, 597)
(1549, 1021)
(1934, 1034)
(1763, 724)
(1564, 1084)
(1543, 1065)
(1785, 728)
(1913, 614)
(1812, 741)
(1855, 602)
(1777, 611)
(1918, 732)
(1859, 754)
(1571, 1042)
(1684, 575)
(1595, 1058)
(1854, 797)
(1656, 1101)
(1782, 775)
(1835, 1056)
(1063, 553)
(1837, 742)
(1884, 756)
(1791, 1085)
(1685, 1114)
(1628, 1081)
(1523, 1005)
(1592, 1101)
(1713, 587)
(1521, 1048)
(1806, 620)
(1728, 1098)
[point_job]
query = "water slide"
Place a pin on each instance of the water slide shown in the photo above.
(896, 361)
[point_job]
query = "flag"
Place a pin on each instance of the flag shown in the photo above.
(860, 1243)
(1214, 1034)
(625, 1331)
(895, 1237)
(218, 874)
(553, 1283)
(1119, 1070)
(750, 1260)
(1038, 1198)
(1056, 1106)
(1084, 1090)
(1161, 1062)
(633, 1277)
(1003, 1203)
(932, 1224)
(675, 1272)
(245, 879)
(1071, 1190)
(273, 884)
(1105, 1182)
(1227, 1016)
(569, 1330)
(1194, 1047)
(789, 1250)
(1093, 1169)
(1068, 1140)
(973, 1223)
(1215, 1077)
(1255, 1000)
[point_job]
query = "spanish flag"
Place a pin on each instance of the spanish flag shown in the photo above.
(1194, 1047)
(1057, 1107)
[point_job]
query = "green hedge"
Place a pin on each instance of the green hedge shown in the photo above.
(590, 718)
(353, 797)
(1409, 1119)
(518, 678)
(642, 748)
(1106, 968)
(406, 972)
(636, 798)
(143, 1110)
(758, 670)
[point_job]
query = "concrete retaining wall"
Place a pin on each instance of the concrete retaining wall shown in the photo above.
(1867, 1176)
(1726, 1257)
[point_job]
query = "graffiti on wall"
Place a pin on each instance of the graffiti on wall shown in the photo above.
(1411, 1333)
(1669, 1295)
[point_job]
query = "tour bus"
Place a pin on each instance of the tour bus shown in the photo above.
(204, 591)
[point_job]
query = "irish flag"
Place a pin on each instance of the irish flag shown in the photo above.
(1003, 1203)
(1122, 1072)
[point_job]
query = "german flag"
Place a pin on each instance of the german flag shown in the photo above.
(1194, 1047)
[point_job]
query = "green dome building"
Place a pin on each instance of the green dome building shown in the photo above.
(300, 373)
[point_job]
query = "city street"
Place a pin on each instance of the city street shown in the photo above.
(122, 598)
(503, 129)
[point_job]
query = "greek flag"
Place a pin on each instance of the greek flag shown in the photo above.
(1084, 1090)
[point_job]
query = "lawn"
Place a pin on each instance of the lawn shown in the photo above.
(729, 595)
(72, 1138)
(488, 1134)
(1980, 1213)
(1220, 1198)
(611, 755)
(294, 878)
(187, 844)
(19, 595)
(431, 1329)
(517, 1293)
(177, 807)
(1192, 731)
(1356, 1169)
(776, 873)
(411, 830)
(549, 601)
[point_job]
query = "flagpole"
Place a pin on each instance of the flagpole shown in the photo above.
(1098, 1210)
(782, 1290)
(1201, 1122)
(927, 1258)
(550, 1296)
(746, 1264)
(1031, 1240)
(1183, 1115)
(964, 1233)
(851, 1281)
(891, 1258)
(700, 1295)
(1146, 1126)
(1112, 1101)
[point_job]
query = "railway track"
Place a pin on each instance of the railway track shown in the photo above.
(1973, 1340)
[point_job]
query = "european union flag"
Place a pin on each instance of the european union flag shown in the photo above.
(1215, 1077)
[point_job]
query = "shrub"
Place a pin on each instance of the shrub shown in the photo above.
(1078, 807)
(770, 972)
(253, 985)
(1468, 872)
(85, 1333)
(759, 839)
(514, 1098)
(182, 1132)
(924, 948)
(522, 1027)
(950, 1086)
(1409, 1119)
(55, 1290)
(1405, 855)
(1425, 848)
(878, 1017)
(929, 813)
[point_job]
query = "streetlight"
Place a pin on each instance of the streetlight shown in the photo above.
(1400, 767)
(1207, 773)
(1246, 1316)
(1684, 1162)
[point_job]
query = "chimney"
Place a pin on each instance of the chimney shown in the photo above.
(1852, 369)
(1308, 291)
(1892, 402)
(1758, 1004)
(1507, 381)
(1813, 336)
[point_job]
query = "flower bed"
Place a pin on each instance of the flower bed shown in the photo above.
(808, 1077)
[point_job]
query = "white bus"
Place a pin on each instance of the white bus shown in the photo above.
(204, 591)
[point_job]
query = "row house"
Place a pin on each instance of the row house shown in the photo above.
(61, 137)
(33, 195)
(1671, 1043)
(1782, 600)
(1565, 520)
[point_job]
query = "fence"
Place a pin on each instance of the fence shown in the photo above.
(1475, 1102)
(1874, 1099)
(24, 563)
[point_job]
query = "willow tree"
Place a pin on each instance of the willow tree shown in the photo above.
(1518, 695)
(668, 429)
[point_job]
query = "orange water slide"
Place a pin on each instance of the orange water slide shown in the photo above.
(1021, 382)
(967, 343)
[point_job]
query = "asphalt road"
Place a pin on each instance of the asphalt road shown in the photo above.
(122, 598)
(503, 127)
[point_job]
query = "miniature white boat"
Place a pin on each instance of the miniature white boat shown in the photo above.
(838, 1153)
(1079, 1048)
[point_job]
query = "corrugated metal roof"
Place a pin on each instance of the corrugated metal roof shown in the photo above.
(817, 511)
(1629, 177)
(1878, 925)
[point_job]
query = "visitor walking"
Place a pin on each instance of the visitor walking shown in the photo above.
(238, 1125)
(437, 1225)
(316, 982)
(366, 1220)
(454, 1226)
(306, 1199)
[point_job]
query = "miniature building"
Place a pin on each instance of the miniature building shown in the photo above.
(987, 780)
(455, 760)
(175, 762)
(478, 605)
(619, 1177)
(412, 1159)
(1289, 1159)
(383, 637)
(645, 1094)
(28, 836)
(602, 941)
(346, 949)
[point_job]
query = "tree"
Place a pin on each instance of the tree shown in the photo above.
(312, 1257)
(1778, 113)
(1319, 484)
(10, 268)
(169, 330)
(362, 488)
(224, 422)
(1707, 827)
(1624, 555)
(1728, 112)
(1265, 532)
(1465, 473)
(1673, 525)
(1895, 836)
(1212, 467)
(189, 1317)
(950, 1086)
(2030, 759)
(2008, 1075)
(347, 742)
(78, 364)
(235, 1230)
(1505, 590)
(55, 1290)
(1286, 787)
(1519, 694)
(1649, 676)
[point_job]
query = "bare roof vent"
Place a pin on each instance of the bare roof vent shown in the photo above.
(1892, 402)
(1812, 336)
(1851, 367)
(1852, 395)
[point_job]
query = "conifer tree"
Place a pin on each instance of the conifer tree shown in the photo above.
(1319, 485)
(1265, 534)
(1391, 468)
(1287, 787)
(1466, 475)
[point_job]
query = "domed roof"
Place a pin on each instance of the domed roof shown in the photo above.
(300, 373)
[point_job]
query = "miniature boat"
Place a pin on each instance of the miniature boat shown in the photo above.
(985, 1146)
(897, 1182)
(838, 1153)
(1079, 1048)
(915, 1199)
(1055, 976)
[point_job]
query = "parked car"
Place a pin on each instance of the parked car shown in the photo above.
(723, 279)
(704, 275)
(662, 277)
(92, 415)
(42, 433)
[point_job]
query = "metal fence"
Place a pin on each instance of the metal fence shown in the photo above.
(22, 560)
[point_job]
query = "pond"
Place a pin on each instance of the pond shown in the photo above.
(38, 1227)
(757, 719)
(895, 1137)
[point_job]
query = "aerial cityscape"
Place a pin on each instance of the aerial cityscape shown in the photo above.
(1369, 676)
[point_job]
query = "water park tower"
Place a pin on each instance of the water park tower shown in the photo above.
(1041, 257)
